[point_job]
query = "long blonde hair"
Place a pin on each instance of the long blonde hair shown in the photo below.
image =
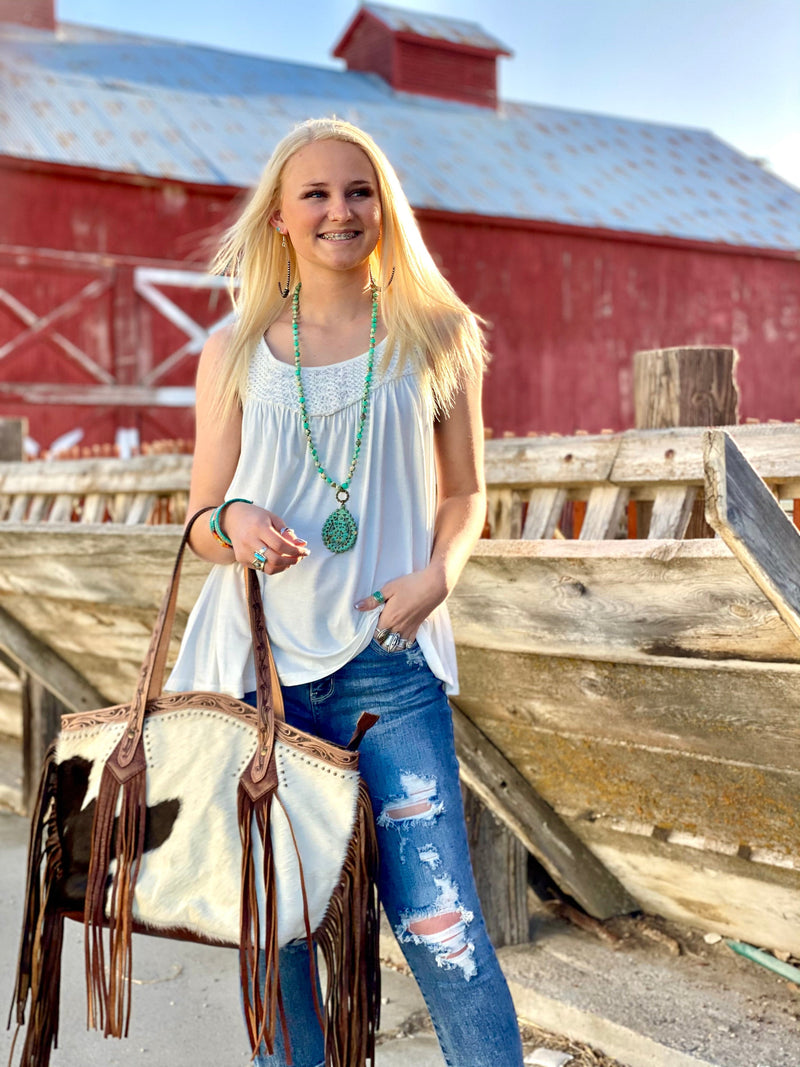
(424, 317)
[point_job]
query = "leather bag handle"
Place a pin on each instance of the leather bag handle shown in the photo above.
(151, 676)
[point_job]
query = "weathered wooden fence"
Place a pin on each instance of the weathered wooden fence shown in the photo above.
(630, 694)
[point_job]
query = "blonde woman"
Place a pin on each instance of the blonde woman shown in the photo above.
(340, 419)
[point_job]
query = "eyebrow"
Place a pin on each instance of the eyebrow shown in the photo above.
(353, 181)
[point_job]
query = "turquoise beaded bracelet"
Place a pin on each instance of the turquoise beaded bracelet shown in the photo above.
(213, 522)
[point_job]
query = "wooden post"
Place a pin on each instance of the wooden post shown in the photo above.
(41, 721)
(12, 435)
(500, 862)
(690, 386)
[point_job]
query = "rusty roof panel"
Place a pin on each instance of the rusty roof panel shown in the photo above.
(117, 102)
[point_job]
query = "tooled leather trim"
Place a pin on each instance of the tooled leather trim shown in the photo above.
(228, 705)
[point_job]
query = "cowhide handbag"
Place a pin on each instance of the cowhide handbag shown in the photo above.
(195, 816)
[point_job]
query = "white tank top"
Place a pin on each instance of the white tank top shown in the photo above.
(313, 625)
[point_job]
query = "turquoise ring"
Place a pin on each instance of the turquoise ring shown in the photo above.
(259, 559)
(378, 595)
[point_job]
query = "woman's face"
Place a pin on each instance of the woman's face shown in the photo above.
(330, 206)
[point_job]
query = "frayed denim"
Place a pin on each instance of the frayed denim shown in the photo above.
(426, 885)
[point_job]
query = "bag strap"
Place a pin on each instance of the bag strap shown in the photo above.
(151, 676)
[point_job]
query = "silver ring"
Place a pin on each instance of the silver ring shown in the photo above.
(259, 559)
(285, 529)
(393, 642)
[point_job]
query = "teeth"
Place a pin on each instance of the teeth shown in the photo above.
(338, 236)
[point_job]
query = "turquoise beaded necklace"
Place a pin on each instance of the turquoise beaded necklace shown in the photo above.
(339, 531)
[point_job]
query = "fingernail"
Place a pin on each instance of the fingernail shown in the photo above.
(359, 604)
(300, 541)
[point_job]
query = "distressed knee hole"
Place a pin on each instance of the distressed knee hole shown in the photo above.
(418, 802)
(429, 856)
(443, 929)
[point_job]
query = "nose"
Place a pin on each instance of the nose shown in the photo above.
(339, 208)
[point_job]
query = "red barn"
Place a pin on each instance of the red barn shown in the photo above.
(579, 237)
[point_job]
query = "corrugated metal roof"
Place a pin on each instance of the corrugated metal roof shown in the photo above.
(456, 31)
(122, 103)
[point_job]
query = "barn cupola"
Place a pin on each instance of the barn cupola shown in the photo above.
(38, 13)
(426, 54)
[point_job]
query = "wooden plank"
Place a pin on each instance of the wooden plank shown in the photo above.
(94, 508)
(62, 508)
(179, 506)
(141, 508)
(544, 510)
(120, 507)
(105, 645)
(97, 395)
(616, 600)
(42, 663)
(19, 507)
(97, 565)
(523, 462)
(512, 799)
(38, 508)
(743, 510)
(155, 473)
(603, 513)
(736, 897)
(501, 503)
(743, 713)
(97, 607)
(672, 509)
(619, 600)
(676, 455)
(703, 748)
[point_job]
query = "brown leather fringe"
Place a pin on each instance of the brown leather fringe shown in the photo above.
(39, 962)
(109, 993)
(262, 1005)
(348, 940)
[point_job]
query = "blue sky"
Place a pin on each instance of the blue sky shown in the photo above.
(732, 66)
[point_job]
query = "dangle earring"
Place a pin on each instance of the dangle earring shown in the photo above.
(285, 292)
(379, 288)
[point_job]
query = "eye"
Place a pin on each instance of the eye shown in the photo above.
(313, 193)
(364, 191)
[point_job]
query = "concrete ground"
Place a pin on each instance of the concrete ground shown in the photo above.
(638, 1004)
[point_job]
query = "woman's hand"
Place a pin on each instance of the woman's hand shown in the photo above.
(253, 529)
(408, 601)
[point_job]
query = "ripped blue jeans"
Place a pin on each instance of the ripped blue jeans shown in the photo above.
(426, 884)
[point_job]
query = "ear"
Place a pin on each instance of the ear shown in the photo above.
(276, 220)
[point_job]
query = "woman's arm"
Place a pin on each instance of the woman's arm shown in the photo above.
(216, 454)
(460, 516)
(462, 489)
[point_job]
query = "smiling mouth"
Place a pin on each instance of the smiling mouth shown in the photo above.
(348, 235)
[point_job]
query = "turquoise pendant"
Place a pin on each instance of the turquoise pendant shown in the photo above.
(339, 531)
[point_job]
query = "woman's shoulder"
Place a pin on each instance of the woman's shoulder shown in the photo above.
(216, 346)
